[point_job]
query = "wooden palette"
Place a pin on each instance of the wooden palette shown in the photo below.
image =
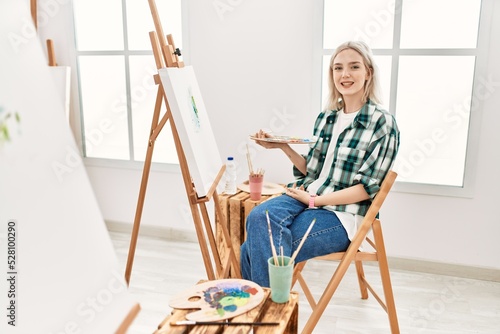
(287, 139)
(219, 299)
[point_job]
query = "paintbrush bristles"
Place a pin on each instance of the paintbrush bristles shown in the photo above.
(273, 249)
(260, 171)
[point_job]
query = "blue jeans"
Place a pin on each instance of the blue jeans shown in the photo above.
(290, 220)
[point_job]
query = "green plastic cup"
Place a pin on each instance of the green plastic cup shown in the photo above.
(280, 279)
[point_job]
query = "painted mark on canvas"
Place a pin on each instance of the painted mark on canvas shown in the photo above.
(195, 115)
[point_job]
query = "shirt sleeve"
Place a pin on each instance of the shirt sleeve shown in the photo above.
(380, 160)
(296, 172)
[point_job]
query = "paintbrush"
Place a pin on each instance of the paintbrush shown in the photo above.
(249, 161)
(282, 256)
(219, 323)
(302, 241)
(275, 256)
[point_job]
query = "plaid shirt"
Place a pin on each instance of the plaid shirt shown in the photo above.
(364, 153)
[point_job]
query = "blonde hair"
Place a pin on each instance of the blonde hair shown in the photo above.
(372, 87)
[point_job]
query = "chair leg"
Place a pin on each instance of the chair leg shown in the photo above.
(297, 276)
(330, 289)
(297, 270)
(385, 276)
(307, 291)
(361, 280)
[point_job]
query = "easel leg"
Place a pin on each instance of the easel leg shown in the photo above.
(144, 184)
(211, 239)
(203, 244)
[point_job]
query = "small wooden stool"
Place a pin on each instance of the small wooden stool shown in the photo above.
(286, 314)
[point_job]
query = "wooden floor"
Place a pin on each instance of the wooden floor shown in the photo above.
(425, 303)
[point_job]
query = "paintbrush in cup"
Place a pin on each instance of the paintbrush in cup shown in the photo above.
(302, 241)
(249, 161)
(273, 250)
(282, 256)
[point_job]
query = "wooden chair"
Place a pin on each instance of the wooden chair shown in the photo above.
(370, 222)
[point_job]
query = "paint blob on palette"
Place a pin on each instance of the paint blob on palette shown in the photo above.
(219, 299)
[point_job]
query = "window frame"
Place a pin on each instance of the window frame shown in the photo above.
(481, 60)
(131, 162)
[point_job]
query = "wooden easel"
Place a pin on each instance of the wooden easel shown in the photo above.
(34, 10)
(167, 55)
(50, 43)
(50, 52)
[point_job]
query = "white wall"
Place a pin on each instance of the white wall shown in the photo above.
(254, 64)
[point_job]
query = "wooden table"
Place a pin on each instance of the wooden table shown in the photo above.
(235, 209)
(286, 314)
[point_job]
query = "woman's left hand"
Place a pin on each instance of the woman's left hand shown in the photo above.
(298, 193)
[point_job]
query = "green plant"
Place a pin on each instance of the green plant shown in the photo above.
(4, 123)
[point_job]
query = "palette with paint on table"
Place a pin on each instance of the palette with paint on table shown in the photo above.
(219, 299)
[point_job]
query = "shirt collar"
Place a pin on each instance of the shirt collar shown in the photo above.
(364, 115)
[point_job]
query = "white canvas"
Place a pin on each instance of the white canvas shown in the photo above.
(193, 125)
(62, 80)
(68, 277)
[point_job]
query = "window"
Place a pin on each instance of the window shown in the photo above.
(116, 68)
(429, 55)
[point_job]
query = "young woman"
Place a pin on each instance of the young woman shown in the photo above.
(356, 147)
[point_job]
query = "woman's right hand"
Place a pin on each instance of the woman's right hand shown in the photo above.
(267, 144)
(297, 159)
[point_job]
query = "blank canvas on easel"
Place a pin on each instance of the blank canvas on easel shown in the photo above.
(193, 125)
(66, 275)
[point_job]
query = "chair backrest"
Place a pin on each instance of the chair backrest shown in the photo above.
(372, 212)
(379, 199)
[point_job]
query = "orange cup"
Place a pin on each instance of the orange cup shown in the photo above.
(255, 182)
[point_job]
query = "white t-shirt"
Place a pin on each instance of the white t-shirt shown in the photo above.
(350, 221)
